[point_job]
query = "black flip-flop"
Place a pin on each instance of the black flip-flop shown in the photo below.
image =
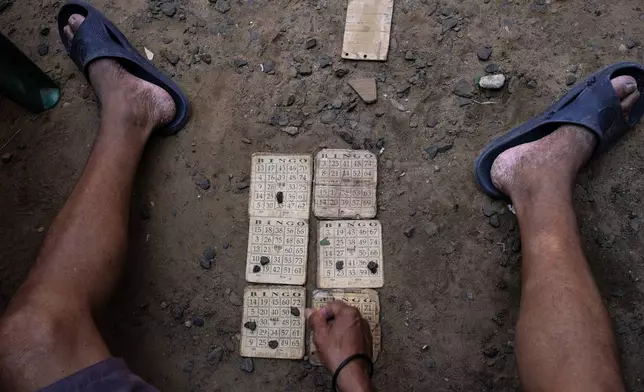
(97, 38)
(592, 104)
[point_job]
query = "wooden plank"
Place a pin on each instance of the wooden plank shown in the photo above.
(367, 30)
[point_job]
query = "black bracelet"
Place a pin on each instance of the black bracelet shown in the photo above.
(346, 362)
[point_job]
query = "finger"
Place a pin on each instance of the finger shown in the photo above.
(334, 308)
(317, 321)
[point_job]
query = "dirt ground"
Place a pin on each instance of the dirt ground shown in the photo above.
(454, 286)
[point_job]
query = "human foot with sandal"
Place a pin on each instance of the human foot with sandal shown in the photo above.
(564, 341)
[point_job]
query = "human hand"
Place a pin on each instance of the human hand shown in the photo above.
(339, 331)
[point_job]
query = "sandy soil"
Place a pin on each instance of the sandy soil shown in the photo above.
(453, 286)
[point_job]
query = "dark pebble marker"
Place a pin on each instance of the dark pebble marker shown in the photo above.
(198, 321)
(280, 197)
(257, 268)
(264, 260)
(373, 267)
(273, 344)
(250, 325)
(295, 311)
(339, 265)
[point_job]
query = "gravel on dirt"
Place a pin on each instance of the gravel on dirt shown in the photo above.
(484, 53)
(246, 364)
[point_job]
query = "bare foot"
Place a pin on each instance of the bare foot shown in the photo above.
(126, 101)
(553, 160)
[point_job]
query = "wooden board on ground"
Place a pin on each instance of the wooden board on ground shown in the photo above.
(277, 250)
(273, 322)
(365, 300)
(350, 254)
(367, 29)
(280, 185)
(345, 184)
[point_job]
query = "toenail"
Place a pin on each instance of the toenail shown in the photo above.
(631, 87)
(72, 19)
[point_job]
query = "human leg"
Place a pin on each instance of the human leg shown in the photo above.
(48, 331)
(564, 335)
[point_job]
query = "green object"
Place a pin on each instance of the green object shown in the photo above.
(23, 82)
(325, 241)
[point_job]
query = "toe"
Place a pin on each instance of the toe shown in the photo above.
(75, 21)
(68, 32)
(626, 89)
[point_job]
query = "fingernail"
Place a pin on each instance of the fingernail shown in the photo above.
(631, 87)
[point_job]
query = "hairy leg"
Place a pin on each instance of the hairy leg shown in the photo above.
(564, 337)
(48, 331)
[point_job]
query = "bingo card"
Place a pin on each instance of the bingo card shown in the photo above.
(350, 254)
(277, 250)
(273, 322)
(345, 184)
(365, 300)
(280, 186)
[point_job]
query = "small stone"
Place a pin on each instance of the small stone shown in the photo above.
(44, 31)
(188, 323)
(167, 40)
(222, 6)
(325, 61)
(164, 304)
(420, 64)
(209, 253)
(310, 43)
(43, 49)
(366, 89)
(339, 265)
(449, 24)
(622, 48)
(337, 103)
(532, 84)
(268, 66)
(413, 121)
(634, 223)
(516, 245)
(463, 89)
(346, 136)
(431, 151)
(198, 321)
(341, 72)
(206, 58)
(240, 63)
(257, 268)
(491, 352)
(40, 229)
(492, 82)
(494, 221)
(293, 131)
(204, 184)
(409, 56)
(431, 229)
(235, 299)
(373, 267)
(215, 356)
(246, 364)
(273, 344)
(431, 122)
(573, 68)
(305, 70)
(264, 260)
(177, 312)
(172, 58)
(295, 311)
(318, 380)
(484, 53)
(328, 117)
(250, 325)
(492, 68)
(245, 140)
(409, 231)
(169, 9)
(6, 157)
(570, 79)
(289, 100)
(205, 263)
